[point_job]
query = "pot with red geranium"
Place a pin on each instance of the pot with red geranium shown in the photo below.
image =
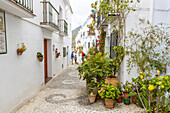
(92, 94)
(127, 89)
(110, 94)
(57, 53)
(119, 86)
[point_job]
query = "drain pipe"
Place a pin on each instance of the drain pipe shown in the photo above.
(152, 8)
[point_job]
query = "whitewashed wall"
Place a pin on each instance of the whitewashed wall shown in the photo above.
(22, 76)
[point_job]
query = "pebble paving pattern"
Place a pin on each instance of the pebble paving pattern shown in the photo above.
(65, 93)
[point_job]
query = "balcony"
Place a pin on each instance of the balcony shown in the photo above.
(21, 8)
(63, 27)
(50, 17)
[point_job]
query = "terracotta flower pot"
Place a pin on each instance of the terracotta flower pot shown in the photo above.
(109, 103)
(19, 51)
(120, 99)
(125, 95)
(40, 59)
(133, 98)
(92, 98)
(113, 81)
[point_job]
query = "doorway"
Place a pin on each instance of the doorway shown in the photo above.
(46, 74)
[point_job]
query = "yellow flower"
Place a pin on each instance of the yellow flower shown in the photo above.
(141, 76)
(127, 89)
(151, 87)
(130, 85)
(158, 72)
(140, 72)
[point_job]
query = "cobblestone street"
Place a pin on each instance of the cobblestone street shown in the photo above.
(67, 94)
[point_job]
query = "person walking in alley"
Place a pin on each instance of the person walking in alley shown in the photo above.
(72, 57)
(83, 55)
(75, 58)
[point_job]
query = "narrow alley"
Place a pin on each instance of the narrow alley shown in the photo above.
(65, 93)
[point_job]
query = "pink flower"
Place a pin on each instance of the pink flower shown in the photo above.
(56, 49)
(96, 40)
(101, 89)
(97, 44)
(104, 85)
(98, 36)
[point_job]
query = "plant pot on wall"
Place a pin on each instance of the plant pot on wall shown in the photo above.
(19, 51)
(57, 56)
(113, 81)
(40, 59)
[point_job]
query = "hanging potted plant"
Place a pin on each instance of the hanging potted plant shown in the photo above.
(112, 66)
(92, 95)
(110, 94)
(40, 56)
(57, 53)
(21, 48)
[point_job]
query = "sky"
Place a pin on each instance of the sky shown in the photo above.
(81, 10)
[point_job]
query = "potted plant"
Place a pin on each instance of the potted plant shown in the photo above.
(21, 48)
(92, 85)
(40, 56)
(110, 94)
(92, 95)
(57, 53)
(112, 66)
(120, 95)
(127, 89)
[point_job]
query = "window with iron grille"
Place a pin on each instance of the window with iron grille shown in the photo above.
(64, 52)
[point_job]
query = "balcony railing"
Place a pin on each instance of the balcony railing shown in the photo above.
(63, 26)
(50, 15)
(27, 4)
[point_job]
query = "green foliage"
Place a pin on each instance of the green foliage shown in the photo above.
(119, 7)
(119, 86)
(112, 66)
(39, 54)
(95, 91)
(88, 91)
(151, 91)
(22, 47)
(93, 68)
(109, 92)
(149, 49)
(92, 84)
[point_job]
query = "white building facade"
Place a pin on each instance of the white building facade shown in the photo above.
(43, 26)
(85, 39)
(156, 11)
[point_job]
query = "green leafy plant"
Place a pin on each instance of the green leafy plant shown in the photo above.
(149, 49)
(39, 54)
(95, 91)
(22, 47)
(151, 92)
(109, 92)
(112, 66)
(121, 9)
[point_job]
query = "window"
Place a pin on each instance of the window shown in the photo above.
(88, 44)
(64, 51)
